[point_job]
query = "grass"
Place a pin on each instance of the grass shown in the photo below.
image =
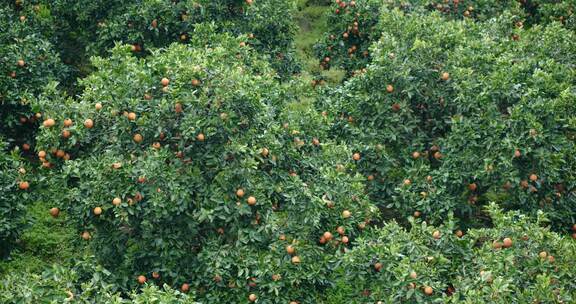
(47, 241)
(311, 19)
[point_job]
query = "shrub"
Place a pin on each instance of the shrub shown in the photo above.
(157, 23)
(443, 135)
(28, 62)
(211, 188)
(353, 24)
(14, 192)
(516, 260)
(83, 283)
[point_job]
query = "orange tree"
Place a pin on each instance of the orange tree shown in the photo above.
(28, 62)
(448, 118)
(515, 260)
(97, 25)
(176, 169)
(15, 183)
(83, 283)
(352, 24)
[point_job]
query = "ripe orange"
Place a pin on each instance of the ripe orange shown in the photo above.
(507, 243)
(97, 211)
(459, 233)
(413, 275)
(156, 145)
(86, 235)
(240, 192)
(340, 230)
(517, 153)
(251, 201)
(116, 201)
(141, 279)
(26, 147)
(155, 275)
(131, 116)
(345, 240)
(67, 122)
(543, 254)
(407, 182)
(356, 156)
(428, 290)
(138, 138)
(290, 249)
(436, 234)
(200, 137)
(98, 106)
(437, 155)
(66, 133)
(49, 123)
(24, 185)
(416, 155)
(417, 214)
(20, 63)
(195, 82)
(54, 212)
(496, 245)
(346, 214)
(88, 123)
(178, 108)
(445, 76)
(295, 260)
(472, 187)
(533, 177)
(389, 88)
(264, 152)
(165, 82)
(185, 287)
(252, 297)
(378, 266)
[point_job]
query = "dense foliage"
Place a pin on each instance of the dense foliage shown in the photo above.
(190, 162)
(15, 182)
(461, 120)
(353, 23)
(28, 61)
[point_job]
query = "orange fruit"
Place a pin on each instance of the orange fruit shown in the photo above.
(264, 152)
(517, 153)
(407, 182)
(472, 187)
(543, 254)
(356, 156)
(67, 122)
(20, 62)
(165, 81)
(290, 249)
(54, 212)
(428, 290)
(327, 235)
(533, 177)
(378, 266)
(185, 287)
(24, 185)
(459, 233)
(178, 108)
(389, 88)
(97, 211)
(131, 116)
(346, 214)
(295, 260)
(195, 82)
(49, 123)
(116, 201)
(155, 275)
(66, 133)
(507, 243)
(251, 201)
(86, 235)
(340, 230)
(413, 275)
(496, 245)
(445, 76)
(138, 138)
(240, 192)
(345, 240)
(98, 106)
(436, 234)
(252, 297)
(141, 279)
(200, 137)
(416, 155)
(88, 123)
